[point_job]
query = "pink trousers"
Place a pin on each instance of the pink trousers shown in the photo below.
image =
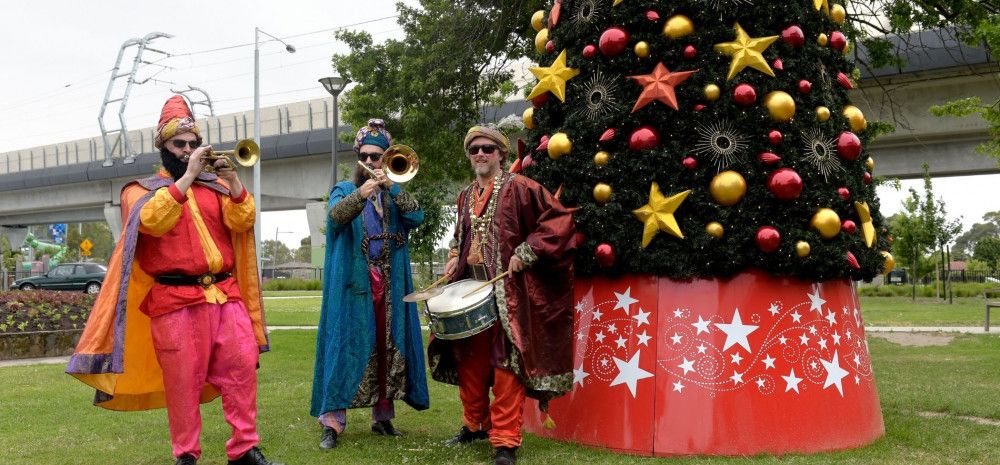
(215, 344)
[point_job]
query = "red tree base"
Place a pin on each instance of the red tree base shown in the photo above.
(753, 364)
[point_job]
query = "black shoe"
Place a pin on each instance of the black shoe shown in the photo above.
(465, 436)
(253, 457)
(505, 456)
(385, 428)
(329, 440)
(186, 459)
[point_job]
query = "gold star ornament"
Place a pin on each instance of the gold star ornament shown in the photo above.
(659, 86)
(746, 51)
(553, 78)
(867, 228)
(824, 4)
(658, 214)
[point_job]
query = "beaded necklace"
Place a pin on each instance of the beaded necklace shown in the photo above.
(480, 223)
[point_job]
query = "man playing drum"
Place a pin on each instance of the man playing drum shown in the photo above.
(507, 222)
(369, 350)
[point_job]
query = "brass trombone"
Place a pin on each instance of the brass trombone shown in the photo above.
(246, 153)
(400, 163)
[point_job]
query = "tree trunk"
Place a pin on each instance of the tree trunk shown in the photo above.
(913, 277)
(951, 294)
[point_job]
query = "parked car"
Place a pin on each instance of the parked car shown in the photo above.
(67, 277)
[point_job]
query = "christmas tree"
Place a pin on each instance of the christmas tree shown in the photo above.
(704, 138)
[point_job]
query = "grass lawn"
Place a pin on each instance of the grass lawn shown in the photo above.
(47, 418)
(303, 310)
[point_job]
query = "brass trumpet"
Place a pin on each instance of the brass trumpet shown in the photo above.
(400, 163)
(246, 153)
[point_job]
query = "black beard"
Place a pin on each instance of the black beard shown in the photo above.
(172, 164)
(360, 176)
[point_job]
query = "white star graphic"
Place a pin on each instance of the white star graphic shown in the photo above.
(804, 339)
(597, 314)
(701, 348)
(834, 373)
(620, 342)
(783, 340)
(846, 310)
(600, 336)
(678, 387)
(737, 377)
(796, 317)
(641, 318)
(857, 380)
(768, 362)
(760, 383)
(612, 328)
(815, 301)
(676, 338)
(822, 343)
(831, 317)
(812, 330)
(736, 332)
(773, 309)
(629, 373)
(736, 358)
(579, 306)
(836, 339)
(857, 361)
(580, 336)
(701, 325)
(792, 382)
(848, 335)
(644, 338)
(579, 375)
(678, 313)
(624, 300)
(687, 365)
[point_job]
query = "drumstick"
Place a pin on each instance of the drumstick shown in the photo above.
(436, 283)
(505, 274)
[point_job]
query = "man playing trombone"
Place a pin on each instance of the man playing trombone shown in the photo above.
(369, 350)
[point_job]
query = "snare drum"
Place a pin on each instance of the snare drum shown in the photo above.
(454, 317)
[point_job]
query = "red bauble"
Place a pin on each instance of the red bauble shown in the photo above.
(527, 161)
(690, 52)
(608, 135)
(775, 137)
(543, 144)
(848, 227)
(785, 184)
(589, 51)
(848, 146)
(744, 95)
(778, 64)
(699, 107)
(844, 193)
(768, 158)
(867, 178)
(853, 261)
(837, 40)
(540, 100)
(793, 35)
(690, 163)
(645, 137)
(605, 254)
(844, 81)
(550, 47)
(805, 86)
(652, 15)
(613, 42)
(768, 239)
(554, 14)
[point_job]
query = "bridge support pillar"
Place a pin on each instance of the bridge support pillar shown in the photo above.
(15, 235)
(316, 215)
(113, 215)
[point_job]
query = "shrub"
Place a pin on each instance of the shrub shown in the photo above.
(958, 290)
(293, 284)
(23, 311)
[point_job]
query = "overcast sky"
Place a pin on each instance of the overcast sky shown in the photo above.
(57, 56)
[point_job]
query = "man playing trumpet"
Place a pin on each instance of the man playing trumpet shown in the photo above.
(369, 350)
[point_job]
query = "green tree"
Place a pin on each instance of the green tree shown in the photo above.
(432, 85)
(273, 253)
(988, 251)
(974, 22)
(304, 252)
(966, 243)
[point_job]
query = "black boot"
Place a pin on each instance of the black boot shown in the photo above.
(329, 440)
(186, 459)
(465, 436)
(505, 456)
(385, 428)
(253, 457)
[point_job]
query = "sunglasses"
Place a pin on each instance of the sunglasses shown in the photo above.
(362, 156)
(190, 143)
(488, 149)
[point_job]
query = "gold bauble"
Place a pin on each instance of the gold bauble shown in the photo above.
(727, 188)
(855, 117)
(559, 145)
(641, 49)
(822, 114)
(678, 26)
(712, 92)
(870, 163)
(838, 14)
(802, 248)
(780, 105)
(890, 262)
(538, 20)
(602, 193)
(540, 39)
(822, 40)
(827, 222)
(528, 118)
(847, 48)
(715, 229)
(602, 158)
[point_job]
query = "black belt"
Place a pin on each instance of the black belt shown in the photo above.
(204, 280)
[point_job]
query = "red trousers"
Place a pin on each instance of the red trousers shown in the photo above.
(215, 344)
(476, 373)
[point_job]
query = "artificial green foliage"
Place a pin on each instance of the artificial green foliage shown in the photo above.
(630, 173)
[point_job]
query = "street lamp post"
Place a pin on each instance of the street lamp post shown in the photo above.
(256, 131)
(334, 85)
